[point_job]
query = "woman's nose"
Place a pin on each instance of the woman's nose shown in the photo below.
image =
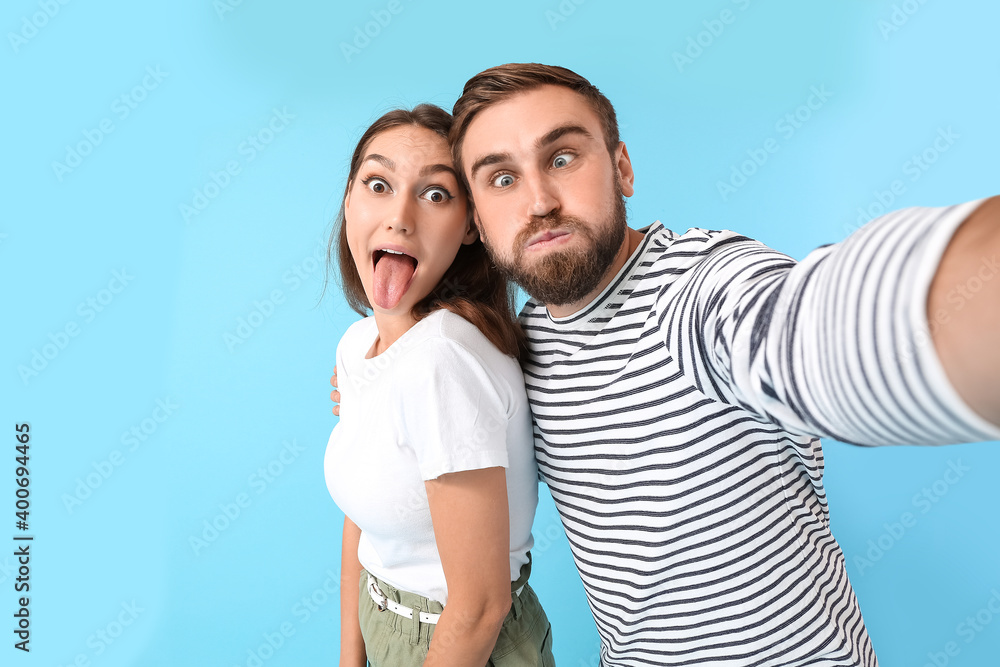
(401, 215)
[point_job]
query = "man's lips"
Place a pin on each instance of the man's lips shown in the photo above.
(548, 238)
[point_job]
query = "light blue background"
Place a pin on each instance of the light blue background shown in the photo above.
(163, 335)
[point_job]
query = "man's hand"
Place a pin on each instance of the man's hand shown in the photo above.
(335, 395)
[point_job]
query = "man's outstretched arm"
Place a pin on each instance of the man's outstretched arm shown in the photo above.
(840, 344)
(963, 309)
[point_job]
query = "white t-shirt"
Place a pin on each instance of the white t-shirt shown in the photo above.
(440, 399)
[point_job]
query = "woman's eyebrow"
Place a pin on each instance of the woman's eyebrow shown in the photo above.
(382, 160)
(437, 168)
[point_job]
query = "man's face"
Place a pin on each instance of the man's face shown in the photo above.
(548, 196)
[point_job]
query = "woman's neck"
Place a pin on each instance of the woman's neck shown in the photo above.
(390, 328)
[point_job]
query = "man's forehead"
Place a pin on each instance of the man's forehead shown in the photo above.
(526, 117)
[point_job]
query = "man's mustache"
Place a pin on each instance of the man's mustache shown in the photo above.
(545, 223)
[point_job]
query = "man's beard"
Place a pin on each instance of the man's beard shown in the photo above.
(563, 277)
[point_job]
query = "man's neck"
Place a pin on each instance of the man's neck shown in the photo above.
(632, 240)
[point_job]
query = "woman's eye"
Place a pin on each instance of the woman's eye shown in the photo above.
(562, 160)
(377, 185)
(437, 195)
(503, 181)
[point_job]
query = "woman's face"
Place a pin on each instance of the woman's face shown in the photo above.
(406, 217)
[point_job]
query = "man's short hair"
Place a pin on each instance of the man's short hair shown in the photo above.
(499, 83)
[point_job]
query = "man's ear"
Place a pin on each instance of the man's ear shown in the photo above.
(623, 164)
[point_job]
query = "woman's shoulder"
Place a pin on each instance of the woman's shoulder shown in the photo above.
(449, 341)
(359, 336)
(449, 329)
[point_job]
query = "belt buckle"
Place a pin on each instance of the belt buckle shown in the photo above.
(381, 606)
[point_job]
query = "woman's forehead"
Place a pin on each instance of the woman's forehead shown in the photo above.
(411, 144)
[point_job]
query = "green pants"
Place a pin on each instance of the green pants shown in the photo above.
(392, 640)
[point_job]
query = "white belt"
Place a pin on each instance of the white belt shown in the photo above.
(383, 603)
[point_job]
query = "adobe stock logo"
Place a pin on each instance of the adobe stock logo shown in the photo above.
(914, 168)
(924, 501)
(250, 148)
(967, 631)
(61, 338)
(122, 106)
(105, 468)
(104, 637)
(787, 126)
(565, 9)
(900, 16)
(223, 7)
(363, 36)
(230, 511)
(264, 309)
(714, 28)
(37, 21)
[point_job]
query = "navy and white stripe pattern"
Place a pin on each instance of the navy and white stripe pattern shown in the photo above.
(676, 421)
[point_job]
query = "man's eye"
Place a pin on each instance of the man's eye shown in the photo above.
(562, 160)
(437, 195)
(503, 181)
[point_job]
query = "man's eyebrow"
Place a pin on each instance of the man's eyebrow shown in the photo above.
(436, 169)
(382, 160)
(560, 132)
(487, 160)
(546, 139)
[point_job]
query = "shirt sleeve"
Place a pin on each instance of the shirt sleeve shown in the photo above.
(837, 345)
(453, 414)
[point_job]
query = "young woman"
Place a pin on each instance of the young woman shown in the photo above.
(432, 460)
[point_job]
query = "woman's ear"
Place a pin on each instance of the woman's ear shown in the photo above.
(347, 195)
(471, 231)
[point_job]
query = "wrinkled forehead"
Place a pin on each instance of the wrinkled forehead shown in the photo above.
(519, 122)
(410, 146)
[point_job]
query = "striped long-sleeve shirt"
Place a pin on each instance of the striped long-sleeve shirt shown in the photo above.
(676, 420)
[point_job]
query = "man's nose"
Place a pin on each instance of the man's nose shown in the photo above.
(542, 197)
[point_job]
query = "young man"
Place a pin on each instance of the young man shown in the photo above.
(679, 382)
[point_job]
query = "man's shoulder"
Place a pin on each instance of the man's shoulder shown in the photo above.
(700, 248)
(663, 237)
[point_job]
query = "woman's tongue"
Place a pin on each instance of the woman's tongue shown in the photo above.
(392, 279)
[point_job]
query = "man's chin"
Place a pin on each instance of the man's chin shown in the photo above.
(559, 278)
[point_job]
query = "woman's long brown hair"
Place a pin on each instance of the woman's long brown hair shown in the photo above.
(471, 287)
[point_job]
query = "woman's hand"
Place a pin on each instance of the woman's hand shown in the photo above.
(472, 531)
(335, 395)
